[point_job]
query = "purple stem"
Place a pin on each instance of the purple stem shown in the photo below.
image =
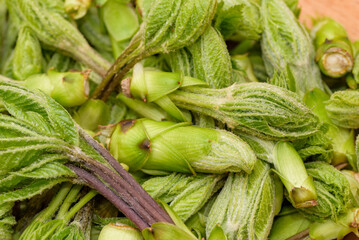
(153, 205)
(95, 183)
(119, 185)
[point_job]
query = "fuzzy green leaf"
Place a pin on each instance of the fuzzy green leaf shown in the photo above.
(258, 109)
(38, 110)
(286, 44)
(30, 190)
(239, 19)
(211, 61)
(343, 108)
(245, 206)
(333, 191)
(27, 55)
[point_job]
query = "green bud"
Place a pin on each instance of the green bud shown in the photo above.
(288, 225)
(27, 55)
(77, 8)
(68, 88)
(166, 231)
(40, 81)
(334, 52)
(245, 206)
(333, 191)
(286, 44)
(259, 109)
(150, 85)
(161, 147)
(92, 114)
(290, 168)
(210, 59)
(343, 108)
(346, 223)
(119, 231)
(243, 64)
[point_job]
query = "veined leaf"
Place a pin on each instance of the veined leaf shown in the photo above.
(239, 19)
(49, 170)
(211, 60)
(6, 143)
(186, 194)
(287, 45)
(18, 179)
(5, 208)
(38, 110)
(13, 159)
(333, 191)
(11, 127)
(194, 197)
(245, 206)
(181, 61)
(159, 19)
(29, 191)
(191, 21)
(342, 108)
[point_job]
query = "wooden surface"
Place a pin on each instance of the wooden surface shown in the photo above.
(345, 12)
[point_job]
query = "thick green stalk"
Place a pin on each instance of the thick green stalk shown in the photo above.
(290, 168)
(69, 200)
(83, 201)
(334, 51)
